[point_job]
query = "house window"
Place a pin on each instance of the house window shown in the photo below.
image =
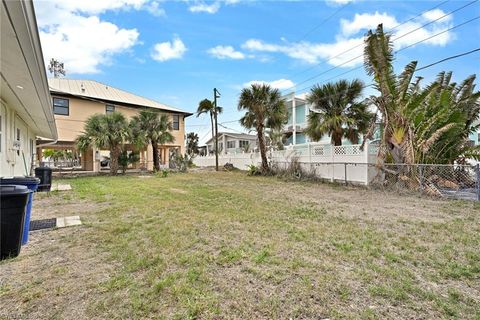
(31, 148)
(60, 106)
(176, 122)
(18, 139)
(109, 108)
(244, 143)
(230, 144)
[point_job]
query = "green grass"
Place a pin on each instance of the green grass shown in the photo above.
(223, 245)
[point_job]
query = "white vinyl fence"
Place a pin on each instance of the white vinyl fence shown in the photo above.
(336, 163)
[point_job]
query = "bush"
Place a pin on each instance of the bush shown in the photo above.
(182, 163)
(125, 158)
(253, 170)
(162, 173)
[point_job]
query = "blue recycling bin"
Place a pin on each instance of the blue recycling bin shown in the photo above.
(32, 184)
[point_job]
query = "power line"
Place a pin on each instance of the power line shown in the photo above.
(323, 22)
(422, 68)
(409, 46)
(359, 45)
(448, 58)
(416, 70)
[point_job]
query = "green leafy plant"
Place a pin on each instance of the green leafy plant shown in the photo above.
(253, 170)
(125, 159)
(182, 162)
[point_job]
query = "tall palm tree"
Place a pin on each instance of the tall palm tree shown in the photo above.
(265, 109)
(420, 124)
(207, 106)
(338, 112)
(152, 127)
(105, 131)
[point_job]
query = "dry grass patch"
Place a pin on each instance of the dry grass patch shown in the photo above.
(223, 245)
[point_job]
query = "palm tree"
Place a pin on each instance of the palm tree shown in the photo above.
(207, 106)
(192, 143)
(265, 109)
(105, 131)
(420, 124)
(276, 139)
(152, 127)
(337, 112)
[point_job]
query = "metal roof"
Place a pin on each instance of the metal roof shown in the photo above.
(235, 135)
(96, 90)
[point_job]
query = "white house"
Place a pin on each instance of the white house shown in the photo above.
(25, 102)
(298, 110)
(229, 143)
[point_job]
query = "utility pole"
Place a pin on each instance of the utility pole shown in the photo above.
(215, 96)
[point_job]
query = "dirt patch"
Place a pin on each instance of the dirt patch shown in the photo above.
(56, 274)
(62, 204)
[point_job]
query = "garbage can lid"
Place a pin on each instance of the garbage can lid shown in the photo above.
(12, 189)
(43, 169)
(19, 180)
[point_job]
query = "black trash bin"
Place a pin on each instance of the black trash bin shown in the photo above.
(13, 203)
(45, 176)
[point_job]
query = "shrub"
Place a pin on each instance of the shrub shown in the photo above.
(253, 170)
(125, 158)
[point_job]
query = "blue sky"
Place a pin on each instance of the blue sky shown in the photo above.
(176, 52)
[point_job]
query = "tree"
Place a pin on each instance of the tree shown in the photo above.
(207, 106)
(192, 143)
(277, 139)
(265, 109)
(105, 131)
(152, 127)
(338, 112)
(428, 124)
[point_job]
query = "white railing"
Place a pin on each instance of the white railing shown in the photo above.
(308, 154)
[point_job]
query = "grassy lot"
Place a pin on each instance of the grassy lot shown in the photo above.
(223, 245)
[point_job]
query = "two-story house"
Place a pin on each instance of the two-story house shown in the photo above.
(298, 110)
(74, 101)
(230, 143)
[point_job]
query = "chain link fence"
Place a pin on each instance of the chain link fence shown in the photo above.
(434, 180)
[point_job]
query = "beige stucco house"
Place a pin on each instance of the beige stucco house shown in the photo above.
(74, 101)
(25, 102)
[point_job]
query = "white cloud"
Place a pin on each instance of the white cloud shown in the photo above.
(81, 41)
(351, 35)
(226, 52)
(211, 7)
(72, 31)
(280, 84)
(169, 50)
(436, 14)
(154, 9)
(339, 2)
(204, 7)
